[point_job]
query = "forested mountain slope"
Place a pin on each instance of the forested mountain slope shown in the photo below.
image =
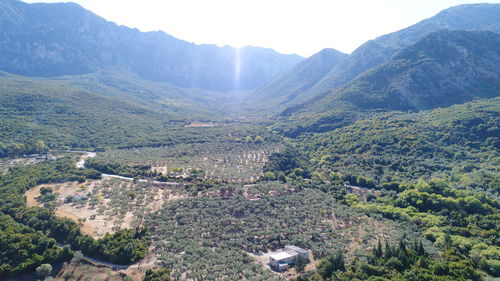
(86, 114)
(474, 17)
(446, 142)
(290, 86)
(382, 49)
(64, 39)
(444, 68)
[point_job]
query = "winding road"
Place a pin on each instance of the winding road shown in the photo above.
(81, 165)
(87, 154)
(100, 262)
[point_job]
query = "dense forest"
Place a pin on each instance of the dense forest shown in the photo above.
(19, 149)
(459, 143)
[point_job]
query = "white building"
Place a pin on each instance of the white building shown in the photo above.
(283, 259)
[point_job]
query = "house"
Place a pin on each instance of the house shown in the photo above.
(299, 250)
(282, 260)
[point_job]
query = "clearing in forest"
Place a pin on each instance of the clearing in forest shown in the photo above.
(7, 163)
(103, 206)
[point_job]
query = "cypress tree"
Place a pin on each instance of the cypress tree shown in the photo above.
(402, 245)
(415, 244)
(448, 241)
(378, 252)
(421, 250)
(388, 252)
(339, 262)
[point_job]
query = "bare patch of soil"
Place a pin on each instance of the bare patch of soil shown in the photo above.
(98, 218)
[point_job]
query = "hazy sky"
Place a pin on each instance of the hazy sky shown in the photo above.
(303, 27)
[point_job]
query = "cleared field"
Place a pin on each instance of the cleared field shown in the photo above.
(89, 271)
(236, 162)
(104, 206)
(199, 237)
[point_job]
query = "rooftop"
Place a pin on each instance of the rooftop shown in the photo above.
(281, 255)
(295, 248)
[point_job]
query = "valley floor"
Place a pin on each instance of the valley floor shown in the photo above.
(193, 226)
(231, 195)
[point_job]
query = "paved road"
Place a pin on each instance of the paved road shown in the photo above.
(115, 266)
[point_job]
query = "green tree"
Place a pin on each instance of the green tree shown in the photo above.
(269, 176)
(300, 263)
(40, 147)
(44, 270)
(378, 250)
(339, 262)
(77, 257)
(67, 276)
(448, 241)
(162, 274)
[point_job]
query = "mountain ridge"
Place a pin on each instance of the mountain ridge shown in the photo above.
(454, 18)
(51, 40)
(442, 69)
(380, 50)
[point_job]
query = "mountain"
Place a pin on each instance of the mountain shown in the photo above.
(444, 68)
(289, 86)
(49, 40)
(382, 49)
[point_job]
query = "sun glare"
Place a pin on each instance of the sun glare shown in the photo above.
(237, 68)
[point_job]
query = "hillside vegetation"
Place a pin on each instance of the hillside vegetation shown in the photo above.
(460, 143)
(291, 87)
(106, 110)
(436, 169)
(443, 68)
(61, 115)
(382, 49)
